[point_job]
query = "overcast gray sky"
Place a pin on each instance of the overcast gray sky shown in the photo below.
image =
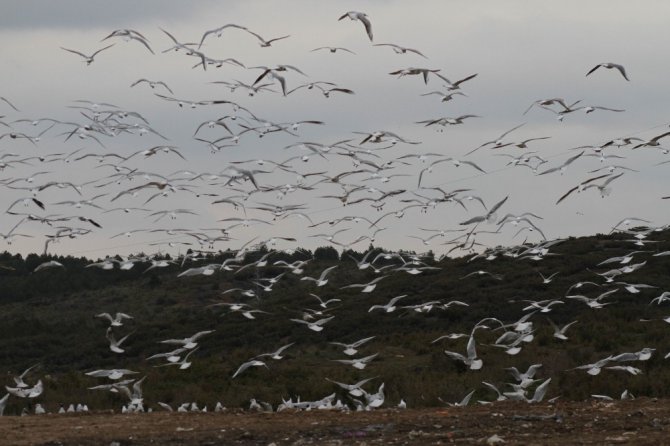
(521, 51)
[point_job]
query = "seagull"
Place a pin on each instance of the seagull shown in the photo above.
(88, 59)
(464, 402)
(219, 31)
(322, 303)
(351, 349)
(390, 307)
(266, 43)
(31, 392)
(18, 380)
(367, 287)
(471, 360)
(48, 265)
(152, 84)
(322, 280)
(113, 374)
(332, 49)
(610, 65)
(115, 345)
(276, 355)
(130, 34)
(559, 332)
(563, 166)
(246, 365)
(400, 49)
(581, 186)
(3, 403)
(316, 325)
(357, 363)
(115, 321)
(363, 18)
(190, 342)
(353, 389)
(183, 363)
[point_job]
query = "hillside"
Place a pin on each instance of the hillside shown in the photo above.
(47, 317)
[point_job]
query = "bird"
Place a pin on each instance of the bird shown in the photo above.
(472, 361)
(219, 31)
(277, 354)
(322, 280)
(115, 345)
(332, 49)
(3, 403)
(400, 49)
(112, 374)
(265, 43)
(130, 34)
(357, 363)
(115, 321)
(352, 349)
(88, 59)
(19, 380)
(366, 287)
(315, 325)
(362, 17)
(48, 265)
(27, 392)
(353, 389)
(559, 332)
(152, 84)
(390, 307)
(189, 342)
(610, 65)
(246, 365)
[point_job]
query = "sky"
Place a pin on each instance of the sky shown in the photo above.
(521, 52)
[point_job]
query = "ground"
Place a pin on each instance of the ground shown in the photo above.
(640, 422)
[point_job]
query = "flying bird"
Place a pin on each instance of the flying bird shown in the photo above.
(362, 17)
(610, 65)
(88, 59)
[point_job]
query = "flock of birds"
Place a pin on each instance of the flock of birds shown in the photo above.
(254, 191)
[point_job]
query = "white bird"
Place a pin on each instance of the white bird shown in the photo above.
(183, 364)
(18, 380)
(353, 389)
(3, 404)
(30, 392)
(190, 342)
(88, 59)
(113, 374)
(351, 349)
(471, 360)
(115, 345)
(322, 280)
(47, 265)
(464, 402)
(322, 303)
(610, 65)
(390, 307)
(559, 332)
(358, 363)
(246, 365)
(115, 321)
(400, 49)
(363, 18)
(316, 325)
(367, 287)
(276, 355)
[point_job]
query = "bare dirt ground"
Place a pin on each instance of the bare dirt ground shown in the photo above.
(638, 422)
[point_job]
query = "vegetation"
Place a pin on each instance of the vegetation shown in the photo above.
(48, 318)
